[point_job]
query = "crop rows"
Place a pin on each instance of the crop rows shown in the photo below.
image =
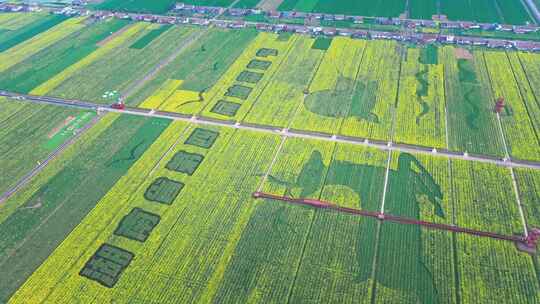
(26, 130)
(183, 226)
(48, 62)
(434, 97)
(196, 70)
(471, 124)
(285, 91)
(265, 48)
(23, 50)
(122, 65)
(330, 92)
(487, 11)
(372, 110)
(519, 131)
(421, 96)
(44, 213)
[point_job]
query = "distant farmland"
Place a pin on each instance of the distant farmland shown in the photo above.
(500, 11)
(143, 6)
(137, 209)
(385, 8)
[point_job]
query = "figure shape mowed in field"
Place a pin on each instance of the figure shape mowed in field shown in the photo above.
(410, 173)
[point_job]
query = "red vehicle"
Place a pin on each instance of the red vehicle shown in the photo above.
(119, 106)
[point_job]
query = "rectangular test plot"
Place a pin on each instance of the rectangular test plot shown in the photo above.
(226, 108)
(137, 225)
(163, 190)
(203, 138)
(106, 265)
(185, 162)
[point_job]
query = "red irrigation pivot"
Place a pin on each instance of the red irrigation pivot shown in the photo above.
(523, 243)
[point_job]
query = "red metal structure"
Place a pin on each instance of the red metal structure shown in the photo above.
(499, 105)
(524, 243)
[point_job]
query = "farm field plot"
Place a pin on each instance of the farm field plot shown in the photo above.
(421, 108)
(208, 225)
(139, 6)
(122, 64)
(37, 219)
(46, 63)
(522, 136)
(490, 11)
(484, 199)
(211, 2)
(278, 103)
(418, 188)
(382, 8)
(30, 46)
(422, 9)
(247, 3)
(22, 27)
(183, 85)
(143, 209)
(528, 183)
(489, 204)
(248, 76)
(10, 22)
(487, 11)
(330, 93)
(372, 110)
(472, 125)
(29, 133)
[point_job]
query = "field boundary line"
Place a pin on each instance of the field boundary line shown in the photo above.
(28, 177)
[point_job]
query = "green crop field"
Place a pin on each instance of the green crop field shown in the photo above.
(140, 6)
(53, 205)
(380, 8)
(45, 64)
(26, 31)
(29, 134)
(496, 11)
(262, 167)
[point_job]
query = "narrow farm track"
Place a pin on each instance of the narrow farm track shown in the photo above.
(41, 165)
(385, 146)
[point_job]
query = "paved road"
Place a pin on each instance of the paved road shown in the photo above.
(278, 131)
